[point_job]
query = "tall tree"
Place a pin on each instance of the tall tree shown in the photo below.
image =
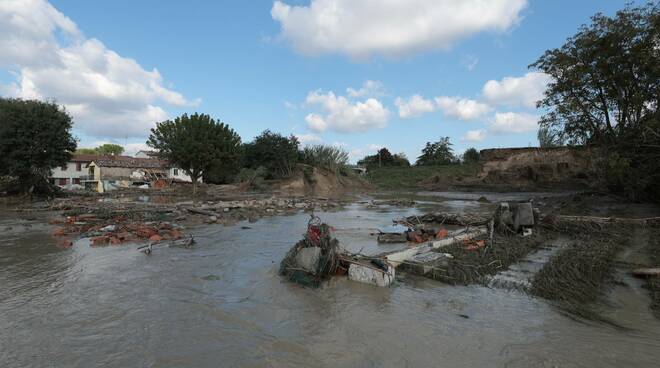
(274, 152)
(195, 143)
(605, 79)
(109, 149)
(605, 91)
(35, 137)
(437, 153)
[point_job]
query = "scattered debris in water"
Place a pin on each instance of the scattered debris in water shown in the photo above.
(313, 259)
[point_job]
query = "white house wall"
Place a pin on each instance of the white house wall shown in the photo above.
(70, 172)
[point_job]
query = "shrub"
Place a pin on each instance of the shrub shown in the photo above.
(471, 156)
(255, 178)
(324, 156)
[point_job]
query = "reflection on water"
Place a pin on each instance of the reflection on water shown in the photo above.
(222, 304)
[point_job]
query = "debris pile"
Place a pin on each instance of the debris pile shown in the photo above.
(115, 230)
(315, 258)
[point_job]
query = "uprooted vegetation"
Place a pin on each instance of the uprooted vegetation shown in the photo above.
(581, 273)
(472, 263)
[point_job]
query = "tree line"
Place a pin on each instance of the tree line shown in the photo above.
(604, 93)
(433, 154)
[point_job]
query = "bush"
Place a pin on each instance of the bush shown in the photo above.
(384, 159)
(255, 178)
(471, 156)
(325, 157)
(277, 154)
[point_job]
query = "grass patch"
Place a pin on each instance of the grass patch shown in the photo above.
(413, 177)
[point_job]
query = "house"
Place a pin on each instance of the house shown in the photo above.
(114, 172)
(74, 172)
(173, 173)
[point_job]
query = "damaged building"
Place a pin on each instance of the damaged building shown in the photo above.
(102, 173)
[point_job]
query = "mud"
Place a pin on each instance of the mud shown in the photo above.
(222, 302)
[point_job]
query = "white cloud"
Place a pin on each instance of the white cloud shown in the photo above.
(369, 88)
(107, 94)
(475, 135)
(361, 28)
(345, 116)
(462, 108)
(517, 91)
(308, 138)
(413, 106)
(512, 122)
(375, 147)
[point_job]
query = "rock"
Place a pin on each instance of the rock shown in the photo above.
(226, 209)
(109, 228)
(308, 259)
(213, 219)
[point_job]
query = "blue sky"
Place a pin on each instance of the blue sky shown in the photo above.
(260, 65)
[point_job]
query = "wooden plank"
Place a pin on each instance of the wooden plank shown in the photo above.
(399, 257)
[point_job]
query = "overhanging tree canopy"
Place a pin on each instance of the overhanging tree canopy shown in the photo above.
(605, 79)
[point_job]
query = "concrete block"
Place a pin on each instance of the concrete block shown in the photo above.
(368, 274)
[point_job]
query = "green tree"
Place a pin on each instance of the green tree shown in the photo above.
(35, 137)
(274, 152)
(471, 155)
(195, 143)
(605, 79)
(605, 91)
(438, 153)
(109, 149)
(384, 158)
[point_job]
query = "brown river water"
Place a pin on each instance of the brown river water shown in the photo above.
(222, 304)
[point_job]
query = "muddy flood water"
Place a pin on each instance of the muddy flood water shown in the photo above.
(222, 304)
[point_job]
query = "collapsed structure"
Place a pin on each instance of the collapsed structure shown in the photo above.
(102, 173)
(429, 251)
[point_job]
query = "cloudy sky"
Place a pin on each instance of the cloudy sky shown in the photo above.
(360, 74)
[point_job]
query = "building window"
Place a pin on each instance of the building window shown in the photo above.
(78, 166)
(64, 167)
(76, 181)
(62, 181)
(175, 171)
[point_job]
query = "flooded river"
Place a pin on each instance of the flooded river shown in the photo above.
(222, 304)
